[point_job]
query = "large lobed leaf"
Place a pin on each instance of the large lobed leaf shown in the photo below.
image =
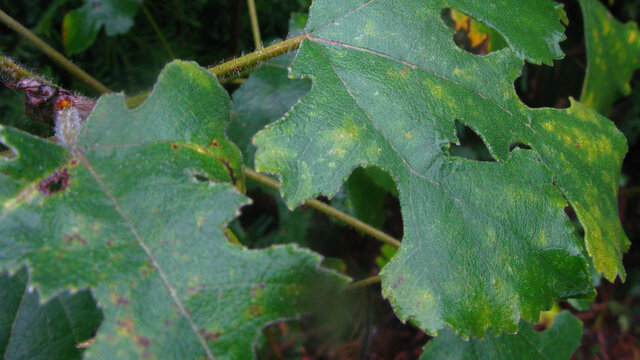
(613, 53)
(484, 243)
(136, 212)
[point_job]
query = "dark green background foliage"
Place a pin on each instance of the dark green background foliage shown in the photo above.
(359, 323)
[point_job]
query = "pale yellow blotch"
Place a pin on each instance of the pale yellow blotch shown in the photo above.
(370, 28)
(542, 239)
(408, 135)
(548, 126)
(606, 28)
(632, 37)
(200, 220)
(437, 91)
(589, 100)
(457, 71)
(491, 235)
(332, 164)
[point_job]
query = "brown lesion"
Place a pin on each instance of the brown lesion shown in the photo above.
(55, 183)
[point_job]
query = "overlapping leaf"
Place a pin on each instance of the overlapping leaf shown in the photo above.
(613, 53)
(136, 212)
(556, 343)
(80, 27)
(484, 243)
(30, 330)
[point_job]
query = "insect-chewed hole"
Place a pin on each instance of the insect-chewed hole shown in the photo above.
(472, 35)
(7, 152)
(520, 145)
(470, 145)
(201, 178)
(55, 183)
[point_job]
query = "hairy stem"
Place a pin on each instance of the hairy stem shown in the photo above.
(13, 70)
(256, 57)
(220, 71)
(333, 212)
(255, 28)
(158, 32)
(52, 53)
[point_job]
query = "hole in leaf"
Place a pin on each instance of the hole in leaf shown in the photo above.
(472, 35)
(201, 178)
(7, 152)
(55, 183)
(519, 145)
(470, 145)
(546, 86)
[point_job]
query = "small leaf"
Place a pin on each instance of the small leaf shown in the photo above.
(31, 330)
(613, 53)
(136, 211)
(556, 343)
(80, 27)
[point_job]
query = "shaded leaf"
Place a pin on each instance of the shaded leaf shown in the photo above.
(613, 53)
(477, 235)
(80, 27)
(30, 330)
(136, 212)
(556, 343)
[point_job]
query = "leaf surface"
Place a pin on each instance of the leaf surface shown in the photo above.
(556, 343)
(613, 53)
(80, 27)
(485, 243)
(136, 212)
(30, 330)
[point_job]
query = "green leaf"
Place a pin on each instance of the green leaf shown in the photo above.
(136, 212)
(362, 198)
(30, 330)
(80, 27)
(556, 343)
(266, 96)
(613, 53)
(477, 235)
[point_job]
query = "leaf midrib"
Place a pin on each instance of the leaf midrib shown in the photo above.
(147, 250)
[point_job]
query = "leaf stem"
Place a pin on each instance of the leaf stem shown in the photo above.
(256, 57)
(255, 28)
(364, 282)
(52, 53)
(629, 192)
(333, 212)
(13, 70)
(158, 32)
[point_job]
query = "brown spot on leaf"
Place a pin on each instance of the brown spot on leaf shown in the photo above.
(232, 176)
(68, 239)
(208, 335)
(119, 300)
(399, 282)
(255, 311)
(214, 143)
(74, 162)
(125, 324)
(174, 146)
(55, 183)
(143, 341)
(405, 70)
(110, 242)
